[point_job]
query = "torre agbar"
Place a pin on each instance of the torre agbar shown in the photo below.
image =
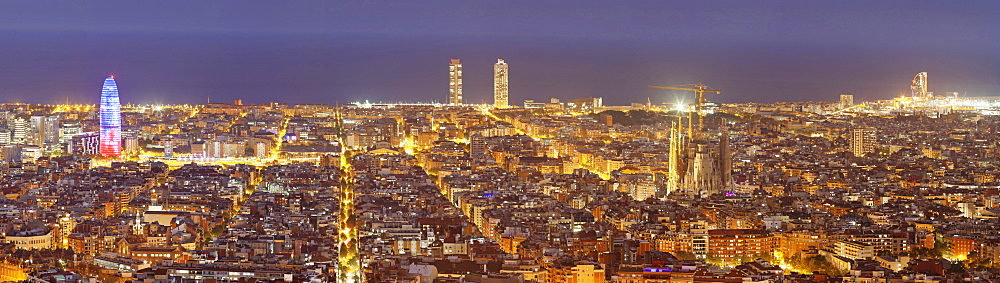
(111, 119)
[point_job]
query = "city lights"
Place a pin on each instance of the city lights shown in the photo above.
(111, 124)
(388, 142)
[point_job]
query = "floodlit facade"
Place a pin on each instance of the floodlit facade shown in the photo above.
(455, 82)
(43, 130)
(846, 100)
(20, 130)
(38, 238)
(854, 250)
(500, 84)
(111, 119)
(919, 85)
(862, 141)
(731, 244)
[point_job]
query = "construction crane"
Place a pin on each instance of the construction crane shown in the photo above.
(699, 91)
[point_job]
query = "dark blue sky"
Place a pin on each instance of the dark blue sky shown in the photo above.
(327, 51)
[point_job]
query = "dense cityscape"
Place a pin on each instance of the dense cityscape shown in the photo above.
(585, 141)
(901, 190)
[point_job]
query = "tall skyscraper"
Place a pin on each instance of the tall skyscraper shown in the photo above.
(52, 124)
(36, 130)
(44, 129)
(455, 82)
(500, 84)
(919, 86)
(846, 100)
(20, 135)
(862, 141)
(111, 119)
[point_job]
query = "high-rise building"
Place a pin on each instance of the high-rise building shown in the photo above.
(111, 119)
(168, 147)
(10, 152)
(52, 124)
(729, 244)
(500, 84)
(608, 120)
(44, 129)
(20, 131)
(213, 149)
(846, 100)
(85, 144)
(455, 82)
(131, 144)
(36, 130)
(477, 145)
(862, 141)
(261, 150)
(69, 129)
(919, 86)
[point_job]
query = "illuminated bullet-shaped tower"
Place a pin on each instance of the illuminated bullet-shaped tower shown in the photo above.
(500, 84)
(111, 119)
(455, 82)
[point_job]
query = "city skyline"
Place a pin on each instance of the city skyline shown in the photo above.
(636, 142)
(918, 88)
(804, 192)
(758, 56)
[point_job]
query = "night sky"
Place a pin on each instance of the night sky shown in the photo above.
(329, 51)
